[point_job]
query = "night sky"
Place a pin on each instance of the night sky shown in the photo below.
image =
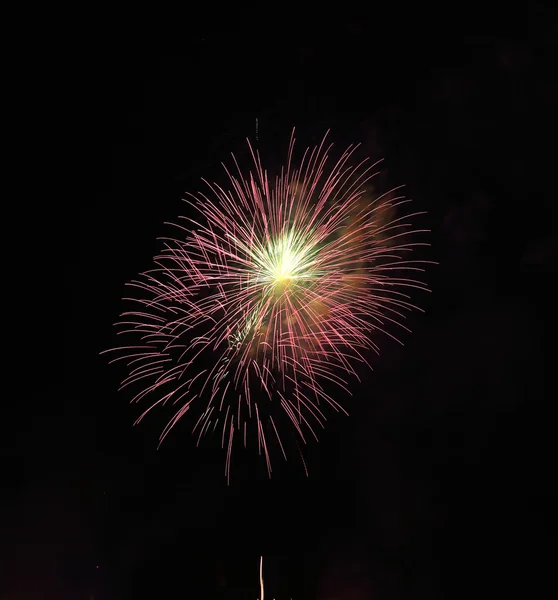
(440, 484)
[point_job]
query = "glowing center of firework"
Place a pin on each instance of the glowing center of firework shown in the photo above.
(286, 259)
(285, 267)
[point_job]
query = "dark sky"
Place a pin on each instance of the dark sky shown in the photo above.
(440, 484)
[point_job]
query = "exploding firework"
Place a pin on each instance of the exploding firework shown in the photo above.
(266, 301)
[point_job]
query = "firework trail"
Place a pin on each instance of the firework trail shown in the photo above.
(261, 579)
(267, 300)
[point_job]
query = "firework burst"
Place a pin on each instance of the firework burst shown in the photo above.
(267, 300)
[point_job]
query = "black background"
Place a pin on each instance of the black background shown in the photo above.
(440, 483)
